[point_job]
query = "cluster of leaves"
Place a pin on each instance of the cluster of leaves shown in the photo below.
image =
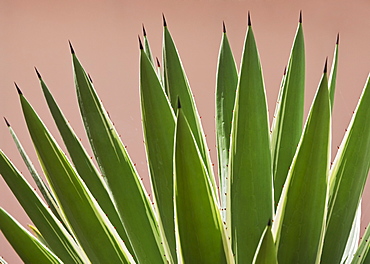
(278, 198)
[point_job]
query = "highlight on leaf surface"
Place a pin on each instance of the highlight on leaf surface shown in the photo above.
(279, 173)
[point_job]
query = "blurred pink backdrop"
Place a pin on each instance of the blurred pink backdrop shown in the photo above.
(104, 35)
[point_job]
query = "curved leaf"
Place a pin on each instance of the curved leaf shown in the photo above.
(304, 200)
(28, 247)
(227, 81)
(130, 196)
(201, 234)
(250, 197)
(348, 176)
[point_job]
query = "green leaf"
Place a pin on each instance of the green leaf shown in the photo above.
(57, 237)
(90, 225)
(288, 117)
(348, 176)
(333, 73)
(177, 87)
(147, 46)
(45, 191)
(159, 129)
(266, 250)
(250, 198)
(85, 167)
(129, 194)
(362, 255)
(29, 249)
(304, 200)
(201, 234)
(227, 81)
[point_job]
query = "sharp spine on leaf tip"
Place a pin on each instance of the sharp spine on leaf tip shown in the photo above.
(178, 103)
(18, 90)
(140, 44)
(249, 19)
(269, 223)
(144, 31)
(164, 21)
(326, 65)
(70, 46)
(337, 41)
(6, 122)
(38, 74)
(223, 27)
(300, 17)
(158, 63)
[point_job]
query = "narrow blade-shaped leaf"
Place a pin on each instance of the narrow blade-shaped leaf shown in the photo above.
(177, 85)
(80, 208)
(130, 196)
(250, 197)
(266, 251)
(348, 176)
(304, 202)
(147, 46)
(159, 129)
(44, 189)
(29, 249)
(362, 255)
(227, 81)
(57, 237)
(288, 117)
(85, 167)
(201, 234)
(333, 73)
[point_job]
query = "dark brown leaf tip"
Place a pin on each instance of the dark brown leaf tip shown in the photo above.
(158, 64)
(178, 103)
(164, 21)
(249, 19)
(18, 90)
(144, 31)
(326, 66)
(38, 74)
(337, 41)
(284, 71)
(140, 44)
(6, 122)
(300, 17)
(269, 223)
(223, 27)
(70, 46)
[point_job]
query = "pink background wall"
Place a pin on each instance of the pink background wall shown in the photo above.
(104, 35)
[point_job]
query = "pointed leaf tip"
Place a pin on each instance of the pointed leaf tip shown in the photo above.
(38, 74)
(70, 46)
(269, 223)
(178, 103)
(223, 27)
(300, 17)
(326, 65)
(337, 41)
(140, 44)
(90, 78)
(6, 122)
(18, 90)
(249, 19)
(284, 71)
(144, 31)
(158, 64)
(164, 21)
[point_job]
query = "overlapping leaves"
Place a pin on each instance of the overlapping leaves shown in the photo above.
(277, 202)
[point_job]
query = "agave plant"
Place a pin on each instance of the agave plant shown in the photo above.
(276, 198)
